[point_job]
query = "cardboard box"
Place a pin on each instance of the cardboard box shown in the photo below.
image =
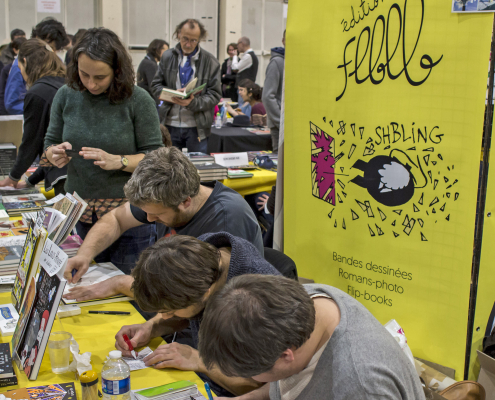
(487, 374)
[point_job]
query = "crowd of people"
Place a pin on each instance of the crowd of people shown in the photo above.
(192, 253)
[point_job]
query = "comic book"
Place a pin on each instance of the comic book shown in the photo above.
(33, 341)
(29, 261)
(62, 391)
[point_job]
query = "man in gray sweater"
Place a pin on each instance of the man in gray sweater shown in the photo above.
(311, 342)
(272, 91)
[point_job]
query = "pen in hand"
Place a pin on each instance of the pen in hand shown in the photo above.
(129, 344)
(207, 388)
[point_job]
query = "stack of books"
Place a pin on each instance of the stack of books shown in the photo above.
(71, 245)
(239, 173)
(17, 204)
(7, 375)
(210, 171)
(61, 215)
(72, 206)
(10, 253)
(198, 157)
(181, 390)
(8, 154)
(6, 284)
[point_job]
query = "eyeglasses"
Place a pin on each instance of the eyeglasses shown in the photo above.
(184, 40)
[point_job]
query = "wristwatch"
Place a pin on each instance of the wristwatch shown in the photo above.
(124, 161)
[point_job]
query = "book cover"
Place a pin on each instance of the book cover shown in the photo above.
(33, 342)
(5, 226)
(61, 391)
(239, 173)
(6, 234)
(24, 265)
(24, 314)
(7, 374)
(10, 255)
(210, 167)
(20, 205)
(23, 198)
(32, 269)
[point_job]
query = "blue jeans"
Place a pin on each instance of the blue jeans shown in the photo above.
(125, 252)
(188, 138)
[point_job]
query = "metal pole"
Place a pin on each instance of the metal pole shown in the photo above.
(478, 234)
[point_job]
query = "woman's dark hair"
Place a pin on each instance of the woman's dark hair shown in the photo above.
(155, 47)
(79, 34)
(192, 22)
(102, 44)
(39, 60)
(234, 45)
(252, 88)
(17, 43)
(51, 31)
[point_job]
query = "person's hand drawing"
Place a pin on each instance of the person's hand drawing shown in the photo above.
(56, 154)
(174, 355)
(139, 335)
(96, 291)
(80, 264)
(102, 159)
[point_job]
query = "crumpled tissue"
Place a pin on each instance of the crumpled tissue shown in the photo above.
(80, 362)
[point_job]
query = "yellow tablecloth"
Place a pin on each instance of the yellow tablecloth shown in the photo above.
(96, 333)
(262, 181)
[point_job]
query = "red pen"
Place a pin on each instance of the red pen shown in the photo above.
(129, 344)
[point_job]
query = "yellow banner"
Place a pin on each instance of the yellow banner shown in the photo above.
(383, 127)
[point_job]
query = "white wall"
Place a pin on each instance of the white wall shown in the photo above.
(22, 14)
(138, 22)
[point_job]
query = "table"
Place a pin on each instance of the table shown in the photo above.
(262, 181)
(96, 333)
(235, 139)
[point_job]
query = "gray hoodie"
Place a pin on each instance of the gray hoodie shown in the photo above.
(272, 90)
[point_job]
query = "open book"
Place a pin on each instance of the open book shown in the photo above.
(169, 94)
(96, 273)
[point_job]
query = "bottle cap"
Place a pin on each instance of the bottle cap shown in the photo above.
(115, 354)
(88, 378)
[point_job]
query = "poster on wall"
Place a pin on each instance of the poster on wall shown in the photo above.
(48, 6)
(384, 117)
(470, 6)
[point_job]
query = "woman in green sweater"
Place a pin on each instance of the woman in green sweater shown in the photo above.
(111, 124)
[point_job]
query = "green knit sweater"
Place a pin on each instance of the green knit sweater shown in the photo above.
(85, 120)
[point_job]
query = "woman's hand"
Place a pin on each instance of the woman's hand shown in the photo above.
(104, 160)
(8, 182)
(56, 154)
(21, 185)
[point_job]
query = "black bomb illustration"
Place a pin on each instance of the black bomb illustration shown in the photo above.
(371, 185)
(388, 180)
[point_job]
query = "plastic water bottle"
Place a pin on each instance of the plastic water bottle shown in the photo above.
(218, 121)
(116, 378)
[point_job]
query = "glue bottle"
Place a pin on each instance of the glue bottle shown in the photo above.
(89, 385)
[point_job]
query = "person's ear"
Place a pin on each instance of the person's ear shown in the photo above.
(287, 356)
(185, 204)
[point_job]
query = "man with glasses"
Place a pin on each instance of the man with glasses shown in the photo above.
(246, 64)
(189, 120)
